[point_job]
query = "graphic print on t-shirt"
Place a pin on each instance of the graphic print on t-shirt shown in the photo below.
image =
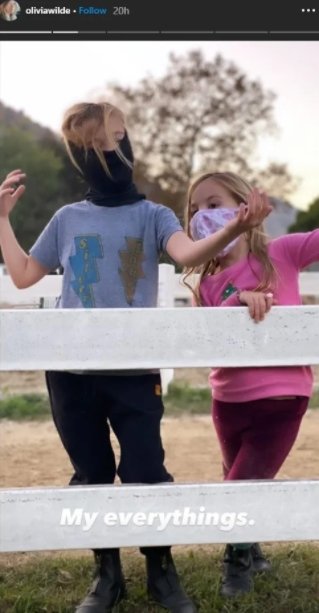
(230, 289)
(131, 266)
(84, 266)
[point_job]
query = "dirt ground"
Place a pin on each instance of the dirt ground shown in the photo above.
(31, 453)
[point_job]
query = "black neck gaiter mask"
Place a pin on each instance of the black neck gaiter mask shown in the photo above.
(104, 190)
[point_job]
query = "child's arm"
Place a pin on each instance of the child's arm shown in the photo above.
(23, 269)
(191, 253)
(302, 248)
(258, 303)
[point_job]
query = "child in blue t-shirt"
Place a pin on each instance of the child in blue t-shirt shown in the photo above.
(109, 246)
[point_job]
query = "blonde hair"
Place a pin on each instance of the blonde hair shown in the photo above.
(257, 239)
(76, 130)
(4, 6)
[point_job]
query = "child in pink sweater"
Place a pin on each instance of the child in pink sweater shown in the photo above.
(256, 411)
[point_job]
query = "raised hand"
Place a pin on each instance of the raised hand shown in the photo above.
(252, 213)
(10, 192)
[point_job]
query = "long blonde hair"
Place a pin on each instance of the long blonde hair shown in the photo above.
(256, 237)
(76, 130)
(4, 9)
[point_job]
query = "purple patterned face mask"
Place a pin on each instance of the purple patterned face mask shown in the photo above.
(208, 221)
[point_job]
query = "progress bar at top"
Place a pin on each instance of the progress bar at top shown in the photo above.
(294, 32)
(26, 32)
(142, 32)
(133, 32)
(187, 32)
(214, 32)
(241, 32)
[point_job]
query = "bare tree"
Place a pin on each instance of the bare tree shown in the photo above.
(202, 115)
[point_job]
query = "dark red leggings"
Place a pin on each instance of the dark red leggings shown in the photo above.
(256, 436)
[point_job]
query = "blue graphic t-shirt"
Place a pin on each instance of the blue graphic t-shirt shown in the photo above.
(109, 254)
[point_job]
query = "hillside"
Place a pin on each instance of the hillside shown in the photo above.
(278, 223)
(11, 117)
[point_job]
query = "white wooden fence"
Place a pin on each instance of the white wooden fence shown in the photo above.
(171, 293)
(111, 516)
(171, 289)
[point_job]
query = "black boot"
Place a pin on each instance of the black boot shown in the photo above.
(163, 583)
(238, 569)
(260, 563)
(108, 587)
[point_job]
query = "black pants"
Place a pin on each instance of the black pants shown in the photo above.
(83, 406)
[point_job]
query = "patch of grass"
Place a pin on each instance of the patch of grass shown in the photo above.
(57, 585)
(182, 398)
(314, 401)
(25, 407)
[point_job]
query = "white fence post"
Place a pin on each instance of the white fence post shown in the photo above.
(166, 289)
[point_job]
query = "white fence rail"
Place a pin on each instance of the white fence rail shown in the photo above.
(45, 292)
(87, 517)
(109, 339)
(70, 518)
(171, 293)
(171, 289)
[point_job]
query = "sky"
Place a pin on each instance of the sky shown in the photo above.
(44, 78)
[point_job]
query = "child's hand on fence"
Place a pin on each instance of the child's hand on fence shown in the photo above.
(252, 213)
(258, 303)
(10, 193)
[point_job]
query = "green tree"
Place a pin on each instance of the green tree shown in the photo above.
(307, 220)
(48, 185)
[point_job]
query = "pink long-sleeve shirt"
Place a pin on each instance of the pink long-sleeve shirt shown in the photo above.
(289, 254)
